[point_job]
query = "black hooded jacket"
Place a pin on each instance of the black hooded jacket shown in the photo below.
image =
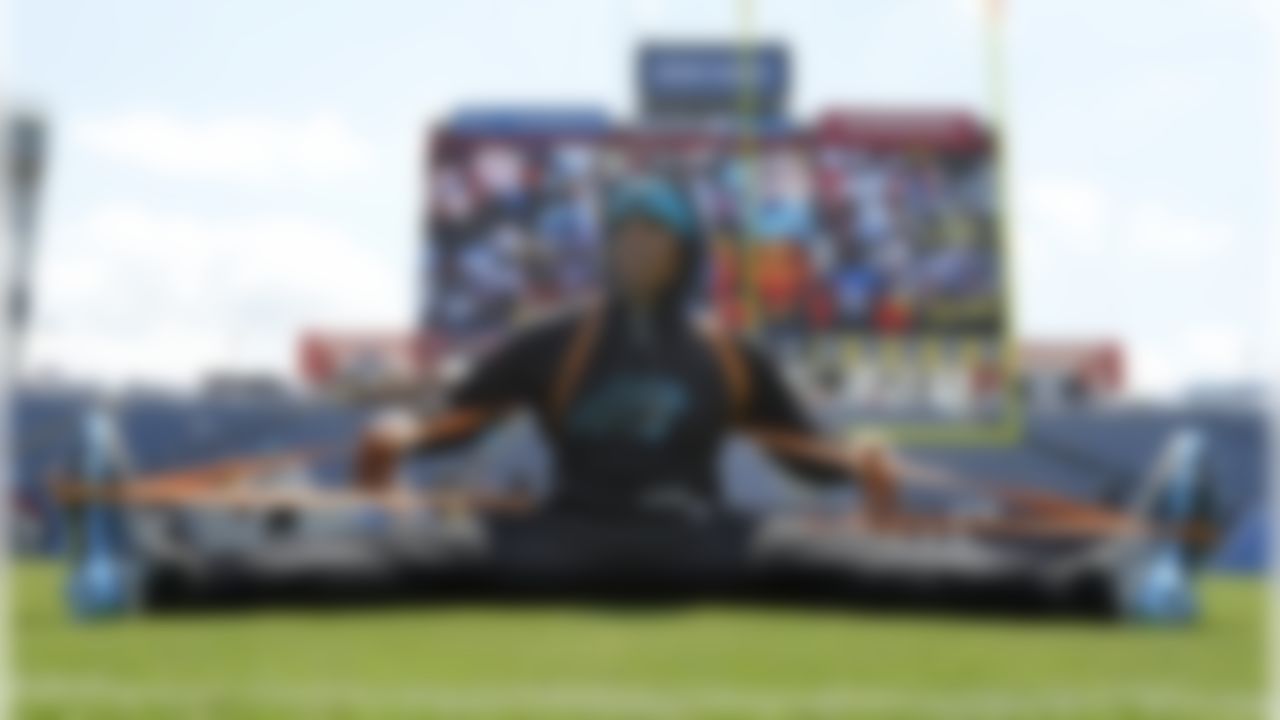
(648, 415)
(650, 407)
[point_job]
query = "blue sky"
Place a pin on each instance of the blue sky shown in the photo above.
(226, 175)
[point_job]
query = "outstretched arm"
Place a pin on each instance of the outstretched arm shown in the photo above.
(870, 463)
(386, 443)
(513, 376)
(774, 420)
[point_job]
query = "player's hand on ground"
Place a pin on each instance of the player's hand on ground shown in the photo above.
(880, 474)
(381, 448)
(872, 449)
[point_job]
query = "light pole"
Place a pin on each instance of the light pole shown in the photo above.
(26, 158)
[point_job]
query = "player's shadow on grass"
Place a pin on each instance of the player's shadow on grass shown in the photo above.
(633, 596)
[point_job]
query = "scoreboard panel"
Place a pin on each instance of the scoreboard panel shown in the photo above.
(862, 251)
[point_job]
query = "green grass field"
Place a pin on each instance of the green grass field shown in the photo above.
(697, 662)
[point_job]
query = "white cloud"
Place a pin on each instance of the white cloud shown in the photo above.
(1266, 11)
(1169, 283)
(133, 293)
(1071, 214)
(1065, 212)
(1157, 233)
(1164, 365)
(977, 10)
(1219, 352)
(646, 11)
(254, 150)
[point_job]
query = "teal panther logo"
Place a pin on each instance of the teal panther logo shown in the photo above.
(641, 407)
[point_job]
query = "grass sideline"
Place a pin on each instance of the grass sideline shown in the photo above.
(694, 662)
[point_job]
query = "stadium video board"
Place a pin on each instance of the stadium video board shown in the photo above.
(688, 80)
(862, 251)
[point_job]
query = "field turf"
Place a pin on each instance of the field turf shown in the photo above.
(692, 662)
